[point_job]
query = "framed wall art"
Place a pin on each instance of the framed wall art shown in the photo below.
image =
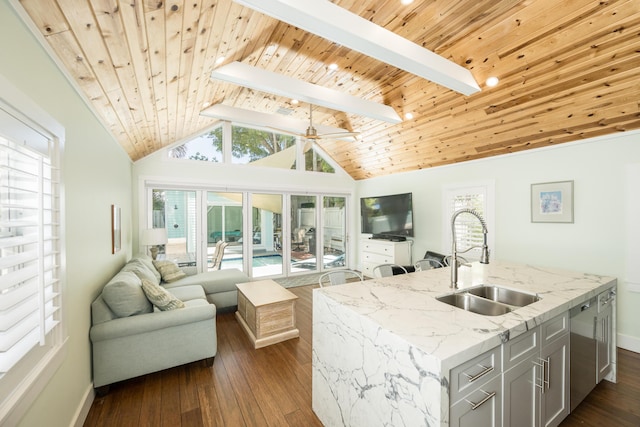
(116, 229)
(552, 202)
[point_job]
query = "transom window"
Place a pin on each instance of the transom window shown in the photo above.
(251, 146)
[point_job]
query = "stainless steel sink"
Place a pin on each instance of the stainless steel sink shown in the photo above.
(504, 295)
(488, 300)
(475, 304)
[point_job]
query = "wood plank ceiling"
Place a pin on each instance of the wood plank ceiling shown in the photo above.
(568, 70)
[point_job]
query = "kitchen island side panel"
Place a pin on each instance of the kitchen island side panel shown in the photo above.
(363, 375)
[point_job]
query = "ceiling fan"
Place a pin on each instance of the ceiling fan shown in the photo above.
(312, 134)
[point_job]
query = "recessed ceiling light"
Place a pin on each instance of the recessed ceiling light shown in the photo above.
(220, 60)
(408, 116)
(294, 102)
(333, 66)
(405, 2)
(492, 81)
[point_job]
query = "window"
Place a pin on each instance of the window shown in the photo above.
(31, 332)
(206, 147)
(249, 146)
(313, 161)
(478, 197)
(270, 149)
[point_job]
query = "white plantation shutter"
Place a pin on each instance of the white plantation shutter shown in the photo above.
(29, 252)
(468, 228)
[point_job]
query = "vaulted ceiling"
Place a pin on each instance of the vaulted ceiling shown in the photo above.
(568, 70)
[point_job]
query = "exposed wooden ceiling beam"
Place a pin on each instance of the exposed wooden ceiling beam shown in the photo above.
(341, 26)
(270, 82)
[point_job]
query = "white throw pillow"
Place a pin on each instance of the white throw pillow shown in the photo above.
(160, 297)
(169, 270)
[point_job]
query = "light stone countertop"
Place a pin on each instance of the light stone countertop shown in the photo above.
(405, 306)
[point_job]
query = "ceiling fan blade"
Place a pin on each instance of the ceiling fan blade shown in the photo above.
(339, 135)
(286, 132)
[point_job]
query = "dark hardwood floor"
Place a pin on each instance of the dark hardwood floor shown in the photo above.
(612, 404)
(272, 387)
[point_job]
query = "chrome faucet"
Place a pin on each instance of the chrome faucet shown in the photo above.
(484, 257)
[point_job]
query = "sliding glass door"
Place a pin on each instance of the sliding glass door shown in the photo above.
(334, 232)
(303, 243)
(265, 244)
(262, 234)
(175, 210)
(225, 223)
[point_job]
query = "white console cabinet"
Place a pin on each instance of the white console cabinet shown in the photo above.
(375, 252)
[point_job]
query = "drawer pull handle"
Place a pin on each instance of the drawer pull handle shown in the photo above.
(472, 378)
(488, 396)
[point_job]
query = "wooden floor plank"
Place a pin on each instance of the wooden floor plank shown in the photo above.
(170, 397)
(271, 386)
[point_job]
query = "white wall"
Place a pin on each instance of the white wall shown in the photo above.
(97, 173)
(600, 241)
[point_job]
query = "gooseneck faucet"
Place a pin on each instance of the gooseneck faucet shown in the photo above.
(484, 257)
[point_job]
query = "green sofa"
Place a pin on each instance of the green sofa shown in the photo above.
(131, 336)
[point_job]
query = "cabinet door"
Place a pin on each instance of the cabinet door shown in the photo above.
(482, 407)
(555, 399)
(603, 339)
(521, 388)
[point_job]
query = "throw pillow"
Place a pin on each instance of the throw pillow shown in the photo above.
(124, 295)
(169, 270)
(146, 260)
(138, 268)
(160, 297)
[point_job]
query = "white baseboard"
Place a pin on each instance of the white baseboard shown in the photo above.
(83, 410)
(628, 342)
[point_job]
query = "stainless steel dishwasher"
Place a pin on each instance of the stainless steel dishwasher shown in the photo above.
(583, 348)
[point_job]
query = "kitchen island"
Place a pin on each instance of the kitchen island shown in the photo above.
(383, 349)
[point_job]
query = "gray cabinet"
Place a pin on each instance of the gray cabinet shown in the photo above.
(554, 406)
(476, 391)
(481, 407)
(536, 375)
(554, 356)
(521, 393)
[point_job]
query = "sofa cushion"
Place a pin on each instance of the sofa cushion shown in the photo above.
(169, 270)
(214, 281)
(187, 293)
(137, 267)
(160, 297)
(146, 260)
(124, 295)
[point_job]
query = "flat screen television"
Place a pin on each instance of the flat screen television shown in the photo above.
(387, 216)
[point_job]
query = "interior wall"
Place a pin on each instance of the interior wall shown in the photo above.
(601, 239)
(96, 174)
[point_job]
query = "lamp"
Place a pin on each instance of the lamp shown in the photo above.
(154, 237)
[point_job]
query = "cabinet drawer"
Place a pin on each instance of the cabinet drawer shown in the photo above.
(554, 328)
(382, 248)
(481, 407)
(471, 374)
(520, 348)
(367, 269)
(376, 258)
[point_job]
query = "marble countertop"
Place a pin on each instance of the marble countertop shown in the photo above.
(406, 305)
